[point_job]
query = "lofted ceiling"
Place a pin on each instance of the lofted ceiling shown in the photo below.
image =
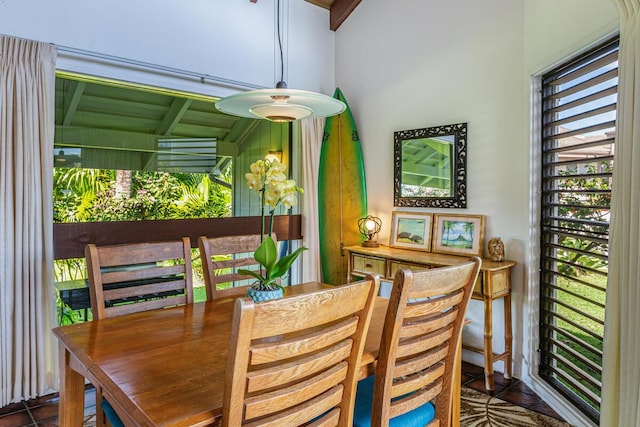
(94, 115)
(339, 10)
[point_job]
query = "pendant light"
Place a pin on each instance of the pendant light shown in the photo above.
(280, 104)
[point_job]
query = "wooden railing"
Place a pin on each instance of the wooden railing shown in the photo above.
(70, 239)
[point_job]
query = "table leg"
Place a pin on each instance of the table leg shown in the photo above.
(71, 405)
(488, 343)
(508, 336)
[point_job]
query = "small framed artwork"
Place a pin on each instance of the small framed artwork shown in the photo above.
(458, 234)
(411, 230)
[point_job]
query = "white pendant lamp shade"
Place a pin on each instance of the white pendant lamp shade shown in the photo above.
(280, 104)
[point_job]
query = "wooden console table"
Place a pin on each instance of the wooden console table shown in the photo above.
(494, 282)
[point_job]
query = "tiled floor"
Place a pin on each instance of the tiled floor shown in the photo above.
(513, 390)
(43, 411)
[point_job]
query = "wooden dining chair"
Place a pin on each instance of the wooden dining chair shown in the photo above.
(294, 361)
(420, 337)
(221, 257)
(136, 277)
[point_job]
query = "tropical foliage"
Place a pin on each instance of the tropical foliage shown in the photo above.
(88, 195)
(83, 195)
(587, 198)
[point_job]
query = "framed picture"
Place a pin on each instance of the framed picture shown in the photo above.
(411, 230)
(458, 234)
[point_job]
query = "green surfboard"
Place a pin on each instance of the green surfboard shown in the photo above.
(342, 193)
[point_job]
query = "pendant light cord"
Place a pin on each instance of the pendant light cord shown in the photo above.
(281, 84)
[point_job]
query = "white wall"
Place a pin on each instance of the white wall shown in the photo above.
(227, 39)
(433, 62)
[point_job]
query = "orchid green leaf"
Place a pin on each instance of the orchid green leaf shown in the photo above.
(285, 262)
(266, 254)
(250, 273)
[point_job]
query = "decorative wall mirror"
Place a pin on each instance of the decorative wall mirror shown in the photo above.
(430, 167)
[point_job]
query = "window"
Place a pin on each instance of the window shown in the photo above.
(129, 152)
(578, 130)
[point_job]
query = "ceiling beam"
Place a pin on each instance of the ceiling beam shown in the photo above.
(82, 137)
(340, 10)
(172, 117)
(71, 103)
(240, 130)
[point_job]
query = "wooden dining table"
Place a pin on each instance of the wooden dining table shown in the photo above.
(166, 367)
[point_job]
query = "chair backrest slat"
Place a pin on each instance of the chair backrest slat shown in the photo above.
(151, 252)
(290, 397)
(142, 290)
(261, 380)
(268, 352)
(422, 329)
(296, 359)
(135, 307)
(235, 263)
(149, 271)
(436, 321)
(425, 395)
(422, 362)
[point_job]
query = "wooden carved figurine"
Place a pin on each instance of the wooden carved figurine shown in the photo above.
(496, 249)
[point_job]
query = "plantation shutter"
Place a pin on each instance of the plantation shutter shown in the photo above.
(578, 130)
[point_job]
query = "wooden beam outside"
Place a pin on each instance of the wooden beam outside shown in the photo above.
(70, 239)
(173, 115)
(76, 90)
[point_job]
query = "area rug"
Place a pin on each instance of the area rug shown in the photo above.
(482, 410)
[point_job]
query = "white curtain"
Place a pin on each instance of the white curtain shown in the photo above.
(28, 351)
(621, 363)
(312, 134)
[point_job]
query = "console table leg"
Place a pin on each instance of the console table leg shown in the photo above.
(488, 347)
(508, 337)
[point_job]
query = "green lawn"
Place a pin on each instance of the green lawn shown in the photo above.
(199, 294)
(570, 295)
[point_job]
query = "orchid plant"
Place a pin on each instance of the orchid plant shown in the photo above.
(267, 178)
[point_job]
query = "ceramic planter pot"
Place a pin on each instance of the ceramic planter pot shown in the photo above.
(259, 295)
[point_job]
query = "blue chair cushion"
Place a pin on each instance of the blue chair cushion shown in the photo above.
(111, 415)
(419, 417)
